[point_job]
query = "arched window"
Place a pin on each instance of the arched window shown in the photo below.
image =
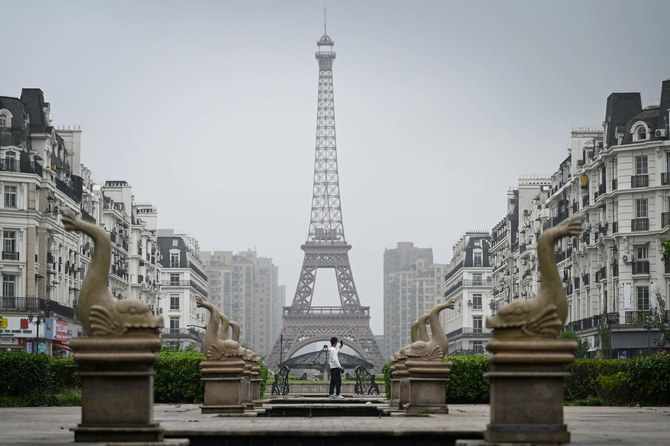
(640, 131)
(5, 118)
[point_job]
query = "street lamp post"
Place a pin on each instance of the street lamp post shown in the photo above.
(647, 326)
(38, 321)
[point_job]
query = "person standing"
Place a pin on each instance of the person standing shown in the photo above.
(335, 369)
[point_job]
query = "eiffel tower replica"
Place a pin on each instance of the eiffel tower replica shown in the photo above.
(326, 248)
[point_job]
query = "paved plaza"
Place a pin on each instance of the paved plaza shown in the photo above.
(588, 425)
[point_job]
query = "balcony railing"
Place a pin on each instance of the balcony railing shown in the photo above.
(594, 321)
(468, 332)
(639, 224)
(639, 181)
(175, 283)
(9, 255)
(641, 267)
(34, 304)
(482, 282)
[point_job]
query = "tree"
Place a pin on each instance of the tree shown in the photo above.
(582, 344)
(657, 316)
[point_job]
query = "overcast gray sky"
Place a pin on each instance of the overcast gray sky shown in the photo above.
(208, 108)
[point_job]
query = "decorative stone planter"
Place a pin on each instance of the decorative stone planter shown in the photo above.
(527, 390)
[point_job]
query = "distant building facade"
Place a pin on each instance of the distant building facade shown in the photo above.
(468, 281)
(245, 287)
(183, 279)
(413, 284)
(618, 176)
(41, 263)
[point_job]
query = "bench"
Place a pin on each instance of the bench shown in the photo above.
(280, 386)
(365, 382)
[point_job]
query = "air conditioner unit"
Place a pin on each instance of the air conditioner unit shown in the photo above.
(661, 133)
(625, 258)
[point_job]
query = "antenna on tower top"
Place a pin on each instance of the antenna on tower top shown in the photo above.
(324, 18)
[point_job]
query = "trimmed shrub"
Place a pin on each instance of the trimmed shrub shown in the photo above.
(615, 390)
(178, 377)
(648, 379)
(584, 373)
(386, 376)
(466, 380)
(264, 372)
(24, 374)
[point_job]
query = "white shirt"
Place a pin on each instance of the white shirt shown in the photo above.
(333, 360)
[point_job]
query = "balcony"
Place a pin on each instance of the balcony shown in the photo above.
(9, 255)
(594, 321)
(639, 181)
(34, 304)
(469, 332)
(641, 267)
(175, 283)
(482, 282)
(665, 178)
(639, 224)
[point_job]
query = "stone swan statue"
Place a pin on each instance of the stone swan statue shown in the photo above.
(438, 345)
(215, 344)
(100, 313)
(544, 315)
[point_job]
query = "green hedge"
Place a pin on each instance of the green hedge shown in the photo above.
(41, 380)
(178, 378)
(466, 380)
(35, 380)
(644, 380)
(583, 382)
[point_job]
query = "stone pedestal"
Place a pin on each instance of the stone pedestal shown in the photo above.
(117, 388)
(255, 385)
(223, 385)
(245, 389)
(527, 390)
(428, 386)
(399, 385)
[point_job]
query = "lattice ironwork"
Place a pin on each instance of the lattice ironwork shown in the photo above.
(326, 247)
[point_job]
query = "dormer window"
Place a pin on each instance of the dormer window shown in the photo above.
(640, 131)
(5, 118)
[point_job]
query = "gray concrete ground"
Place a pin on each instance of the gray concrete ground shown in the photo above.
(588, 425)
